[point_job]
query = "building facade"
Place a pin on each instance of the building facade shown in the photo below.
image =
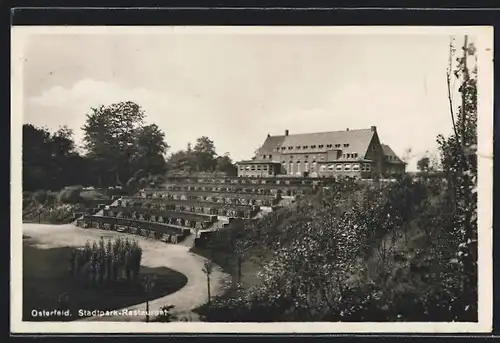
(355, 153)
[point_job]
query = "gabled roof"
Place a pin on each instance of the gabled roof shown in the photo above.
(387, 151)
(357, 142)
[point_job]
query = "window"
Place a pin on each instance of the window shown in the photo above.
(306, 156)
(346, 145)
(242, 168)
(347, 167)
(355, 167)
(297, 147)
(355, 155)
(367, 166)
(283, 148)
(321, 146)
(270, 156)
(253, 167)
(337, 145)
(322, 158)
(323, 168)
(305, 147)
(290, 168)
(258, 167)
(290, 147)
(328, 145)
(291, 156)
(265, 167)
(263, 157)
(306, 167)
(313, 146)
(330, 167)
(338, 167)
(247, 168)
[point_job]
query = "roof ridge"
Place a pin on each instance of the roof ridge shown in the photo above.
(320, 132)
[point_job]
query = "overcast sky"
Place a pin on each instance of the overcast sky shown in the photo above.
(237, 88)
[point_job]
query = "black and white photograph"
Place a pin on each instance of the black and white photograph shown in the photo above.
(251, 179)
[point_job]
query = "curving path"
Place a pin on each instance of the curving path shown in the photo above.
(155, 254)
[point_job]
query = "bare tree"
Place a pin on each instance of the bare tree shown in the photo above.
(208, 268)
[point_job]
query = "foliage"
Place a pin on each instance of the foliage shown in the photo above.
(357, 251)
(203, 158)
(459, 160)
(102, 263)
(423, 164)
(71, 195)
(166, 315)
(371, 251)
(50, 161)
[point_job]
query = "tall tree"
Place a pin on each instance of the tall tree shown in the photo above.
(150, 148)
(204, 151)
(459, 162)
(109, 138)
(423, 164)
(225, 164)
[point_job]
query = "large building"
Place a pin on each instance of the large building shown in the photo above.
(356, 153)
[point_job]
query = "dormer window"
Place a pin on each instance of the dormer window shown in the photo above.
(321, 146)
(337, 145)
(282, 148)
(297, 147)
(290, 147)
(270, 156)
(305, 147)
(313, 146)
(346, 145)
(328, 145)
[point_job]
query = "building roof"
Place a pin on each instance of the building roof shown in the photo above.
(392, 157)
(351, 141)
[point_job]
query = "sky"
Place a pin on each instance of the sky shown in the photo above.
(237, 88)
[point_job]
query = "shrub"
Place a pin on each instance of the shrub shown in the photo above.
(40, 196)
(158, 179)
(71, 195)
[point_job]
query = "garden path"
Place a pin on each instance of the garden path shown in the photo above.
(155, 254)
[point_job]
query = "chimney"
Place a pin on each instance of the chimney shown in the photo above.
(268, 135)
(347, 129)
(374, 128)
(286, 132)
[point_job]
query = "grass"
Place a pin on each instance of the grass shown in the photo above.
(229, 265)
(45, 278)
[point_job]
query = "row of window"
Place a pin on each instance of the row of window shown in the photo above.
(350, 155)
(255, 167)
(332, 167)
(320, 146)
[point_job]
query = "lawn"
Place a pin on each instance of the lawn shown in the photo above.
(229, 265)
(45, 278)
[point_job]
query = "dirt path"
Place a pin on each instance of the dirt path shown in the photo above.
(155, 254)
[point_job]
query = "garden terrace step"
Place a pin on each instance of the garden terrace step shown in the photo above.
(225, 198)
(159, 231)
(211, 194)
(197, 217)
(165, 201)
(218, 209)
(235, 186)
